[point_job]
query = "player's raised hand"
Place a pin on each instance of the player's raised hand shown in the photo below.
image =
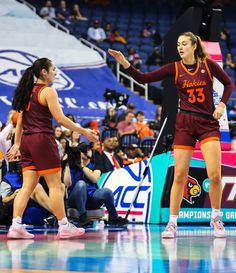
(119, 57)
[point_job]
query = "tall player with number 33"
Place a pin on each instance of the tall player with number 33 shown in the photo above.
(197, 119)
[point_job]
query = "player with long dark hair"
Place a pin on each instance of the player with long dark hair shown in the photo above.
(197, 119)
(37, 103)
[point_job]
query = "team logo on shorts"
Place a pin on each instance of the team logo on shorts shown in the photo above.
(203, 71)
(13, 64)
(192, 189)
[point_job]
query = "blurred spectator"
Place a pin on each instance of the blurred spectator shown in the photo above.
(157, 39)
(155, 57)
(114, 35)
(148, 30)
(108, 160)
(84, 193)
(66, 132)
(63, 13)
(121, 154)
(94, 125)
(75, 139)
(142, 127)
(96, 33)
(12, 181)
(225, 36)
(128, 125)
(63, 143)
(62, 151)
(72, 149)
(71, 117)
(158, 113)
(229, 62)
(130, 108)
(48, 11)
(57, 132)
(76, 14)
(97, 148)
(116, 144)
(134, 154)
(134, 58)
(111, 118)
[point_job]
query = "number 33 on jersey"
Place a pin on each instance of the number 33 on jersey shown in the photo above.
(195, 87)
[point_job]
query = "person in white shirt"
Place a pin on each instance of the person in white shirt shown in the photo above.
(96, 33)
(48, 11)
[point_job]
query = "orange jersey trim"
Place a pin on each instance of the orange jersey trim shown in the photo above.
(32, 168)
(186, 70)
(176, 72)
(54, 170)
(208, 70)
(209, 139)
(184, 147)
(34, 89)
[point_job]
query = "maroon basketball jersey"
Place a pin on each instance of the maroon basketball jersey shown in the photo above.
(195, 88)
(37, 118)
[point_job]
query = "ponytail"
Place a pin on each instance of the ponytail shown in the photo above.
(200, 52)
(23, 91)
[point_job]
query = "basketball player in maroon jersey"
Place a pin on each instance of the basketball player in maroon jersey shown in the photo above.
(38, 103)
(197, 119)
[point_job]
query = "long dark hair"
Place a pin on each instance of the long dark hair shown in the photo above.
(200, 52)
(23, 90)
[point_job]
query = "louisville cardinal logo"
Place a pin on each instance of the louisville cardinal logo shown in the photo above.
(191, 190)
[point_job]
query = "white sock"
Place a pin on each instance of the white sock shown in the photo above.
(17, 221)
(63, 221)
(215, 213)
(173, 219)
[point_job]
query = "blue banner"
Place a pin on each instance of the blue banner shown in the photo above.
(80, 89)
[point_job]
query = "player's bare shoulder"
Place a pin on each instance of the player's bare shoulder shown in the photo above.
(48, 94)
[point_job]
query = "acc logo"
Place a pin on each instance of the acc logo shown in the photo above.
(123, 183)
(191, 190)
(13, 64)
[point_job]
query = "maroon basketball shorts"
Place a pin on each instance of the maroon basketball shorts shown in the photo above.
(190, 128)
(39, 152)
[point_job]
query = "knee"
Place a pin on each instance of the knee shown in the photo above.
(80, 185)
(214, 178)
(108, 194)
(180, 177)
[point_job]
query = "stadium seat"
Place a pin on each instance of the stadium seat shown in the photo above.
(153, 67)
(146, 41)
(127, 140)
(134, 40)
(118, 46)
(146, 48)
(147, 145)
(144, 68)
(109, 132)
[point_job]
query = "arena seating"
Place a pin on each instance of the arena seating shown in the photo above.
(130, 17)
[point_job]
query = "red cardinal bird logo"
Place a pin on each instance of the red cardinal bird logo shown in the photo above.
(191, 190)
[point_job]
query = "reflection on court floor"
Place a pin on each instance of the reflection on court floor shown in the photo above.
(135, 249)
